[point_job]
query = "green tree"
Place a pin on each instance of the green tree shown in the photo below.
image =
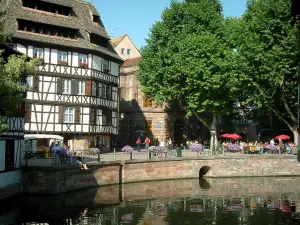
(267, 44)
(187, 60)
(12, 81)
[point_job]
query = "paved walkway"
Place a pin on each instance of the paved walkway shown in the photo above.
(143, 155)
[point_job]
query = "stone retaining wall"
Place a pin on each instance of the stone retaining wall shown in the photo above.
(60, 180)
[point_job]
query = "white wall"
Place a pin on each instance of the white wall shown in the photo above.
(21, 49)
(2, 155)
(9, 178)
(53, 56)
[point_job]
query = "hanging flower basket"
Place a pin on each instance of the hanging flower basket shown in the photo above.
(234, 148)
(196, 148)
(127, 149)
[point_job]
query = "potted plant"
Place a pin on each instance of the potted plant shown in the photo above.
(127, 149)
(62, 63)
(83, 65)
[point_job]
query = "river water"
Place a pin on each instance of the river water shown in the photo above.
(247, 201)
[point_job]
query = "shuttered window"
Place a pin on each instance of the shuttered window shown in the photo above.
(66, 87)
(80, 87)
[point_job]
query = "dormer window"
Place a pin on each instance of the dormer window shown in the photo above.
(49, 7)
(38, 53)
(96, 19)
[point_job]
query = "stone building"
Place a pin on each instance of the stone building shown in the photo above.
(141, 116)
(74, 92)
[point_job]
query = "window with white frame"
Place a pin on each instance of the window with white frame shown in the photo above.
(128, 51)
(62, 56)
(38, 53)
(81, 87)
(98, 116)
(66, 86)
(83, 58)
(29, 81)
(69, 114)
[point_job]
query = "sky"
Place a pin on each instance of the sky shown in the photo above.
(136, 17)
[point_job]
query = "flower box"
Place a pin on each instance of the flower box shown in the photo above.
(63, 63)
(39, 61)
(106, 70)
(83, 65)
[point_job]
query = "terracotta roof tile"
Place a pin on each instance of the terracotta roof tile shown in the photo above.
(131, 62)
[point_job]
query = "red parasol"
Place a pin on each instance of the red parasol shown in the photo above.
(283, 137)
(225, 135)
(234, 136)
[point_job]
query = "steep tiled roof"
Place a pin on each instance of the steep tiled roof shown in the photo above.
(82, 21)
(117, 40)
(131, 62)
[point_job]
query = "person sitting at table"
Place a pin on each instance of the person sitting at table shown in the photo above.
(78, 161)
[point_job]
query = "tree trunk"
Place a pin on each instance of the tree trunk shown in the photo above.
(295, 133)
(212, 128)
(213, 134)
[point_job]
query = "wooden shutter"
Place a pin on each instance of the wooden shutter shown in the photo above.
(35, 85)
(58, 86)
(27, 113)
(74, 87)
(60, 114)
(92, 116)
(88, 88)
(77, 114)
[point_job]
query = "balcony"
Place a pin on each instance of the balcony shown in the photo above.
(103, 129)
(74, 99)
(77, 71)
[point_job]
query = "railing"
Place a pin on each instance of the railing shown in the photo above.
(55, 160)
(77, 71)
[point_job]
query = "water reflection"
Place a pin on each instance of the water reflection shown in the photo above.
(218, 201)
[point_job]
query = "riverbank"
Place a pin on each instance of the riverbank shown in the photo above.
(51, 180)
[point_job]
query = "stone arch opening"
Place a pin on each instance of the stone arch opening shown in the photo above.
(203, 171)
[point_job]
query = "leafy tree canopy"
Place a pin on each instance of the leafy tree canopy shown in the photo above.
(267, 44)
(12, 82)
(188, 60)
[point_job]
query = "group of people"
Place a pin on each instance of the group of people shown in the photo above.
(161, 143)
(56, 149)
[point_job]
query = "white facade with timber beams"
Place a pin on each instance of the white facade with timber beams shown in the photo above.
(74, 91)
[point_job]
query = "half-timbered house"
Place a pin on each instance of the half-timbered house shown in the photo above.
(74, 91)
(11, 145)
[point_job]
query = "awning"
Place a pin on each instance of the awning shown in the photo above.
(42, 136)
